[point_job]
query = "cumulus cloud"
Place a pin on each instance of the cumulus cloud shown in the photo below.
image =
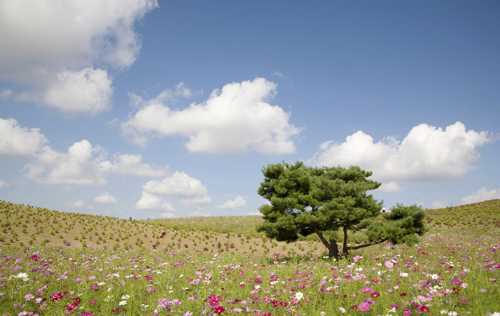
(19, 141)
(238, 202)
(427, 153)
(83, 164)
(441, 202)
(389, 187)
(47, 44)
(127, 164)
(105, 198)
(90, 207)
(87, 91)
(152, 202)
(77, 204)
(180, 185)
(232, 120)
(193, 192)
(481, 195)
(198, 214)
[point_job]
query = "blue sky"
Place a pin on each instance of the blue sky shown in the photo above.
(172, 108)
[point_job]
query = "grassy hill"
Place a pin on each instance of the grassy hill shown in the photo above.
(485, 214)
(21, 226)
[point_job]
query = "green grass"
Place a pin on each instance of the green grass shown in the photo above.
(452, 270)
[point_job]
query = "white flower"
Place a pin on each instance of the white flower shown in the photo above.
(452, 313)
(122, 303)
(299, 295)
(465, 285)
(322, 313)
(23, 276)
(444, 312)
(435, 276)
(125, 297)
(404, 275)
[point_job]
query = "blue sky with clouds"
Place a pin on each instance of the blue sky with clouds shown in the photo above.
(172, 108)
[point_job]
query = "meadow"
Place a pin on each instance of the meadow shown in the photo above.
(57, 263)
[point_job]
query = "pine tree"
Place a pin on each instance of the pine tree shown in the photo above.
(322, 201)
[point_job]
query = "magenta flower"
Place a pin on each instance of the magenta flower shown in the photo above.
(407, 312)
(457, 282)
(364, 307)
(366, 290)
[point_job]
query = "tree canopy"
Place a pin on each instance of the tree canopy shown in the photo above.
(306, 200)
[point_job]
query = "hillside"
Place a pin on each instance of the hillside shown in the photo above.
(22, 226)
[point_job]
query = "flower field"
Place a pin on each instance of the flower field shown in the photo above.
(452, 271)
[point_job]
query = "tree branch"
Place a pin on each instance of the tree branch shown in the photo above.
(367, 245)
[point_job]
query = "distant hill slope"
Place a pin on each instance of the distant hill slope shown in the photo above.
(475, 215)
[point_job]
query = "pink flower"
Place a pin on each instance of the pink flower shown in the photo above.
(366, 290)
(389, 264)
(364, 307)
(407, 312)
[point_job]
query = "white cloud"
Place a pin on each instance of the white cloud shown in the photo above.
(3, 184)
(389, 187)
(193, 192)
(77, 204)
(6, 93)
(19, 141)
(66, 188)
(233, 120)
(82, 165)
(152, 202)
(238, 202)
(44, 40)
(131, 165)
(481, 195)
(427, 153)
(198, 214)
(441, 202)
(105, 198)
(87, 91)
(179, 184)
(90, 207)
(255, 213)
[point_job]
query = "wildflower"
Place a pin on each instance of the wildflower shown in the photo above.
(364, 307)
(404, 275)
(122, 303)
(342, 310)
(28, 297)
(457, 282)
(389, 264)
(407, 312)
(452, 313)
(376, 294)
(435, 276)
(299, 295)
(116, 309)
(125, 297)
(219, 310)
(366, 290)
(403, 294)
(188, 313)
(92, 302)
(463, 300)
(424, 309)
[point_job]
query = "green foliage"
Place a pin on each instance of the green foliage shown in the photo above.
(306, 200)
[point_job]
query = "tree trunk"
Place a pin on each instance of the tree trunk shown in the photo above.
(333, 248)
(345, 249)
